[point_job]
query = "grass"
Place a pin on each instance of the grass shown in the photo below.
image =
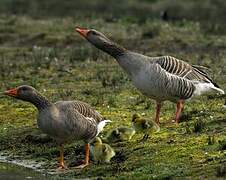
(47, 54)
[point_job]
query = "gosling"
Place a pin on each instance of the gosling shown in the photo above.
(119, 134)
(102, 152)
(144, 125)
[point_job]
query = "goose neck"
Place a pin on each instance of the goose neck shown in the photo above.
(40, 102)
(113, 49)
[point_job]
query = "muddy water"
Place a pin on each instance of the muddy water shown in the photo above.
(13, 172)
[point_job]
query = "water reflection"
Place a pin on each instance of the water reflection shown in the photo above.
(14, 172)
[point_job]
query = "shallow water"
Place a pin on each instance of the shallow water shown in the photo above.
(10, 171)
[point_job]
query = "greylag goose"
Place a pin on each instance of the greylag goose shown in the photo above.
(160, 78)
(144, 125)
(63, 120)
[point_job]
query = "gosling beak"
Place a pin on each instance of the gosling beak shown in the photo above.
(83, 32)
(11, 92)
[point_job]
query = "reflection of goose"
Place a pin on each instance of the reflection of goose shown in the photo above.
(160, 78)
(63, 120)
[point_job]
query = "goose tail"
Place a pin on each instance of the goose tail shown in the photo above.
(101, 125)
(218, 90)
(202, 88)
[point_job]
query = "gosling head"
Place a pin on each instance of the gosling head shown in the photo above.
(135, 117)
(115, 133)
(97, 141)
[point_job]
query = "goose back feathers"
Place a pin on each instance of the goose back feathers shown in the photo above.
(182, 69)
(166, 78)
(67, 120)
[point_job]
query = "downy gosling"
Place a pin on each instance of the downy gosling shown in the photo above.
(119, 134)
(102, 152)
(144, 125)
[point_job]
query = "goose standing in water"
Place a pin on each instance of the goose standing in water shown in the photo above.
(63, 120)
(160, 78)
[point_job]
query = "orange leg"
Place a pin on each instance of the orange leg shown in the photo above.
(180, 105)
(87, 154)
(157, 115)
(62, 165)
(86, 163)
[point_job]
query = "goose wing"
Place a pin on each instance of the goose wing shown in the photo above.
(76, 123)
(170, 86)
(86, 110)
(183, 69)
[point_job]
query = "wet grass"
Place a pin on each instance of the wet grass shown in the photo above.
(49, 55)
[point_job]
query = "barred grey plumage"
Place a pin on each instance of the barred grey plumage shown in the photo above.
(67, 120)
(80, 120)
(168, 86)
(160, 78)
(182, 69)
(64, 120)
(86, 110)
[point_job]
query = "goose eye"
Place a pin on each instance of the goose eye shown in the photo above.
(24, 88)
(94, 33)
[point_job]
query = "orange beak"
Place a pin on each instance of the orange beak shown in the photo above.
(82, 31)
(11, 92)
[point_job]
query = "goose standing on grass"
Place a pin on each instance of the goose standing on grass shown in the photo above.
(63, 120)
(160, 78)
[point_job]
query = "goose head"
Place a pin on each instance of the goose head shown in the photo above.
(99, 40)
(23, 92)
(93, 36)
(29, 94)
